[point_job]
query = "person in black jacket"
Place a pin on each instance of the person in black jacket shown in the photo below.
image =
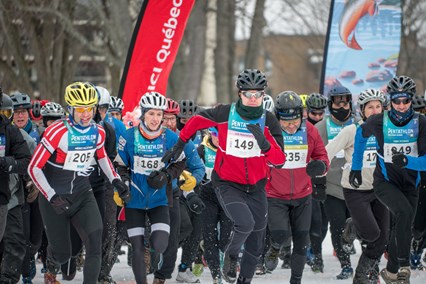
(14, 158)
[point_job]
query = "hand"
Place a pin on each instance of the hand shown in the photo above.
(122, 189)
(319, 192)
(189, 181)
(257, 132)
(157, 179)
(118, 201)
(195, 203)
(32, 191)
(6, 163)
(315, 168)
(60, 204)
(355, 178)
(174, 153)
(399, 160)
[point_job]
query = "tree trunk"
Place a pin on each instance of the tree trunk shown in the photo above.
(255, 40)
(224, 53)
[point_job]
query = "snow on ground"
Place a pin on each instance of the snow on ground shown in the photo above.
(122, 273)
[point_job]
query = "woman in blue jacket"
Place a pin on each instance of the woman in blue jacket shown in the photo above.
(151, 181)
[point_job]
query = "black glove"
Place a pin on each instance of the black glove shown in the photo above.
(195, 203)
(257, 132)
(355, 178)
(60, 204)
(399, 160)
(122, 189)
(315, 168)
(6, 163)
(175, 152)
(157, 179)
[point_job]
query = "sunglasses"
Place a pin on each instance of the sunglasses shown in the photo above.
(399, 101)
(317, 113)
(215, 134)
(250, 95)
(83, 109)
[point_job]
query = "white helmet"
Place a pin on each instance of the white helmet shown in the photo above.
(116, 104)
(153, 100)
(52, 109)
(104, 96)
(268, 103)
(370, 95)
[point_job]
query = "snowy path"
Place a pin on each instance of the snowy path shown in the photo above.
(122, 273)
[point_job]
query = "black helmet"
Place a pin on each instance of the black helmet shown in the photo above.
(316, 101)
(418, 103)
(401, 84)
(338, 91)
(21, 100)
(188, 108)
(288, 106)
(251, 79)
(6, 104)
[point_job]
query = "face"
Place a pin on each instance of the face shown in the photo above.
(83, 115)
(401, 104)
(305, 113)
(316, 115)
(252, 98)
(115, 114)
(215, 139)
(341, 101)
(153, 119)
(21, 117)
(169, 121)
(290, 126)
(184, 120)
(372, 107)
(102, 111)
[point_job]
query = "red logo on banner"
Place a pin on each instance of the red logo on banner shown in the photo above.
(153, 49)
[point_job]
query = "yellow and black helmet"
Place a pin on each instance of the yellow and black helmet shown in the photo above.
(81, 94)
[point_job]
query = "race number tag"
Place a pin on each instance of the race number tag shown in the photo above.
(370, 153)
(242, 145)
(144, 165)
(78, 160)
(409, 149)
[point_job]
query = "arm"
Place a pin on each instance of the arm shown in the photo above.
(360, 144)
(19, 154)
(341, 142)
(275, 155)
(203, 120)
(193, 162)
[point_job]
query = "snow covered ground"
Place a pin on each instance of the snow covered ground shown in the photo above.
(122, 273)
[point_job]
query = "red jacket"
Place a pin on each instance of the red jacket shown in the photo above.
(248, 173)
(291, 184)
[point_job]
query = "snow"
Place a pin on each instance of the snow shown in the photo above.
(122, 273)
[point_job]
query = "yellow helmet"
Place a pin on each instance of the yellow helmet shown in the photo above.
(304, 98)
(81, 94)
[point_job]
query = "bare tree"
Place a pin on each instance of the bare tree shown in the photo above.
(224, 53)
(256, 34)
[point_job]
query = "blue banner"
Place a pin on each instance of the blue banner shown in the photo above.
(362, 44)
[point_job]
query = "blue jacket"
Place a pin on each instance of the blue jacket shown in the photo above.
(142, 195)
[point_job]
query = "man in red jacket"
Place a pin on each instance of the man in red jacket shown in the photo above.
(289, 189)
(250, 139)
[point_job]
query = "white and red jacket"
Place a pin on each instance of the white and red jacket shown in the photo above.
(46, 166)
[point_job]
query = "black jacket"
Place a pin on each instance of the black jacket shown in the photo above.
(16, 149)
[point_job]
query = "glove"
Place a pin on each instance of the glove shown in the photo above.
(60, 204)
(315, 168)
(6, 163)
(32, 191)
(399, 160)
(118, 201)
(319, 192)
(195, 203)
(355, 178)
(157, 179)
(189, 182)
(122, 189)
(175, 152)
(257, 132)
